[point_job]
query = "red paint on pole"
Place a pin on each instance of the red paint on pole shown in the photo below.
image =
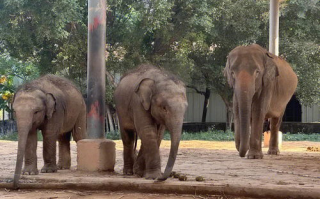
(94, 112)
(96, 23)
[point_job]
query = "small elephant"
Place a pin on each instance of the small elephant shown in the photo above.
(55, 106)
(148, 101)
(263, 85)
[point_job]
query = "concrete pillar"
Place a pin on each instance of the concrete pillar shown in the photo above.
(96, 68)
(267, 136)
(274, 27)
(96, 153)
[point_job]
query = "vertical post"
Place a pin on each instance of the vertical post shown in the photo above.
(96, 68)
(274, 27)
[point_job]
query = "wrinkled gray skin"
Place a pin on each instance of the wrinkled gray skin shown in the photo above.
(263, 85)
(54, 106)
(148, 101)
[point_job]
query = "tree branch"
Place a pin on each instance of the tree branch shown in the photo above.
(198, 91)
(111, 78)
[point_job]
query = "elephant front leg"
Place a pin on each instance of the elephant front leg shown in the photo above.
(49, 152)
(273, 143)
(30, 163)
(255, 150)
(149, 139)
(64, 151)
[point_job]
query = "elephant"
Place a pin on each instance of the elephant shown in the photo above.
(148, 101)
(263, 84)
(56, 107)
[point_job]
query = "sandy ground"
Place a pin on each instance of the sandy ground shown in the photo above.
(218, 162)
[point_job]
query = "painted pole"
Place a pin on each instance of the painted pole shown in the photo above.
(96, 69)
(274, 27)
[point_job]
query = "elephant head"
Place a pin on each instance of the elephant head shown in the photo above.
(249, 70)
(167, 103)
(31, 107)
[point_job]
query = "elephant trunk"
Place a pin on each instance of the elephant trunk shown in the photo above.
(244, 93)
(175, 134)
(23, 131)
(245, 117)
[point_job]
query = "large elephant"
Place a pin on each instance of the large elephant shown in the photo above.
(55, 106)
(148, 101)
(263, 85)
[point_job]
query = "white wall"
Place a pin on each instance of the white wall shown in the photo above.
(216, 110)
(310, 114)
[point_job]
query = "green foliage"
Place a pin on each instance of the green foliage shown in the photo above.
(191, 38)
(49, 34)
(300, 45)
(113, 136)
(213, 135)
(14, 136)
(314, 137)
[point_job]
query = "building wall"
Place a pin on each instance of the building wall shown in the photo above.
(217, 110)
(311, 114)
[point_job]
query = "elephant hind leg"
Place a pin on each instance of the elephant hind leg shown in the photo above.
(129, 153)
(140, 164)
(64, 151)
(274, 128)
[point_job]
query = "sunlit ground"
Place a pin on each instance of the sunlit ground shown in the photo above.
(292, 146)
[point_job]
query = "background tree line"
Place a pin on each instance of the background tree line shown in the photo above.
(191, 38)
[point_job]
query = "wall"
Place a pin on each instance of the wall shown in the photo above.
(311, 114)
(216, 111)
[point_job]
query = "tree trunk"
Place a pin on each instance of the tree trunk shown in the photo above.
(110, 119)
(205, 104)
(229, 117)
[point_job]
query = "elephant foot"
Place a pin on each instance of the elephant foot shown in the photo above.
(139, 173)
(139, 168)
(152, 175)
(127, 171)
(274, 151)
(30, 170)
(255, 154)
(63, 165)
(49, 168)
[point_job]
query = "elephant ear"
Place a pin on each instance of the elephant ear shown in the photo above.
(227, 73)
(271, 69)
(50, 105)
(145, 91)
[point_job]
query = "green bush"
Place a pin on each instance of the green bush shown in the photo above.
(213, 135)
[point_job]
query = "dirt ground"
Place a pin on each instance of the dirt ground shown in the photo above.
(296, 169)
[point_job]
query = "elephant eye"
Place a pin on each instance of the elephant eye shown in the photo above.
(164, 109)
